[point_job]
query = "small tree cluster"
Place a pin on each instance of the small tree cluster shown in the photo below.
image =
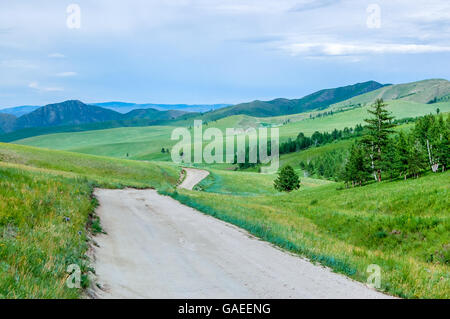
(381, 154)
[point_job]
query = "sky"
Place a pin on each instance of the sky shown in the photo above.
(214, 51)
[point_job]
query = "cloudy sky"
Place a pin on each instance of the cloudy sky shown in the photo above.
(214, 51)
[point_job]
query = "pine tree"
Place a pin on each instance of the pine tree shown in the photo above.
(356, 169)
(433, 133)
(287, 180)
(391, 160)
(378, 129)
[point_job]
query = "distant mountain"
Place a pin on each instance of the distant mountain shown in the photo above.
(65, 113)
(19, 110)
(123, 107)
(426, 91)
(77, 114)
(154, 114)
(317, 100)
(7, 122)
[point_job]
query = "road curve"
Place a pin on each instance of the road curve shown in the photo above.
(193, 177)
(156, 247)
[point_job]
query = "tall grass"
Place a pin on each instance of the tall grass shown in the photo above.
(42, 231)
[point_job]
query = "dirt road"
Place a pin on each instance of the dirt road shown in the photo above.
(193, 177)
(156, 247)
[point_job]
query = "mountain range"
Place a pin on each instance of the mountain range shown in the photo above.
(123, 107)
(318, 100)
(75, 112)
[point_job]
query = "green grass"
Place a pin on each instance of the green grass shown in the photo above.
(247, 183)
(42, 231)
(401, 226)
(45, 204)
(145, 143)
(108, 172)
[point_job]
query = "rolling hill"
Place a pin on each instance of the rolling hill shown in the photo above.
(426, 91)
(154, 114)
(7, 122)
(317, 100)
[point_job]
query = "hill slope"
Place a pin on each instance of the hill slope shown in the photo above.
(423, 92)
(153, 114)
(7, 122)
(320, 99)
(19, 110)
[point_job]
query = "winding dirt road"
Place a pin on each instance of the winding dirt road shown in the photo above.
(193, 177)
(156, 247)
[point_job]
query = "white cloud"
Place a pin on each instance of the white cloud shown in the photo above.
(36, 86)
(337, 49)
(66, 74)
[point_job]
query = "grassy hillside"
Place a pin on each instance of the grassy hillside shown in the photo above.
(43, 229)
(419, 92)
(45, 202)
(101, 170)
(401, 226)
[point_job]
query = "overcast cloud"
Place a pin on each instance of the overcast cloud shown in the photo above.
(214, 51)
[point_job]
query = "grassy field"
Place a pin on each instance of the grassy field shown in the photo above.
(45, 204)
(401, 226)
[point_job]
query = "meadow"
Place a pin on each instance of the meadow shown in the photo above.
(145, 143)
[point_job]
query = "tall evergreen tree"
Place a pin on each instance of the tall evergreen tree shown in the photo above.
(378, 129)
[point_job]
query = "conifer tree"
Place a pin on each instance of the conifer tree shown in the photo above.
(287, 180)
(356, 169)
(378, 129)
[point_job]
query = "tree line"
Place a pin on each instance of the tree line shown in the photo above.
(303, 142)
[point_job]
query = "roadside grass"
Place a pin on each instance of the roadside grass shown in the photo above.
(47, 212)
(401, 226)
(42, 231)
